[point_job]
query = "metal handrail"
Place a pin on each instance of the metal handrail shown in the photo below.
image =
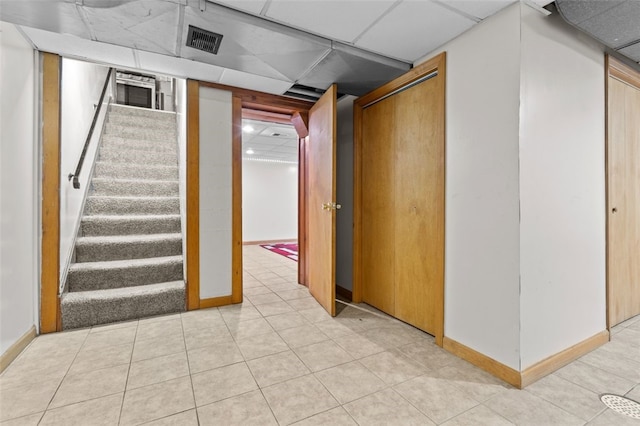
(76, 174)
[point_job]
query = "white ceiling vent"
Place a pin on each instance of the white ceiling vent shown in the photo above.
(203, 40)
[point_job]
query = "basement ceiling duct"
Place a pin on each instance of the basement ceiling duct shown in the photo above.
(616, 23)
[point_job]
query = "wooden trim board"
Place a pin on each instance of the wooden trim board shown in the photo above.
(559, 360)
(50, 242)
(236, 201)
(622, 72)
(192, 256)
(483, 362)
(214, 302)
(14, 350)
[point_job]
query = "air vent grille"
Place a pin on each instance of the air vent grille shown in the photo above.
(203, 40)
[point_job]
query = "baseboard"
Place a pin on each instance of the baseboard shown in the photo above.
(483, 362)
(14, 350)
(559, 360)
(341, 291)
(253, 243)
(214, 302)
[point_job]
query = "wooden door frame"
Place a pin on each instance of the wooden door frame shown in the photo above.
(614, 68)
(435, 64)
(251, 104)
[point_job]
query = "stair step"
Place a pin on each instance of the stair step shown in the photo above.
(134, 187)
(135, 171)
(103, 275)
(140, 132)
(89, 308)
(120, 247)
(141, 112)
(138, 156)
(163, 121)
(99, 225)
(111, 141)
(102, 205)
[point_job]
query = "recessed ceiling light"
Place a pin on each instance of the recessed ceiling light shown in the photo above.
(247, 129)
(249, 151)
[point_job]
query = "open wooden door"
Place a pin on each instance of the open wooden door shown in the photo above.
(322, 206)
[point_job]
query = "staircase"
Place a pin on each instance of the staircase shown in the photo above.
(128, 256)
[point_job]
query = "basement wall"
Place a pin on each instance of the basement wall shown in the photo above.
(19, 186)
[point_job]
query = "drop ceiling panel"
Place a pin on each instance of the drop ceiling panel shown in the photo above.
(617, 26)
(579, 11)
(632, 51)
(251, 6)
(179, 67)
(481, 9)
(80, 48)
(254, 82)
(413, 29)
(57, 17)
(150, 25)
(340, 20)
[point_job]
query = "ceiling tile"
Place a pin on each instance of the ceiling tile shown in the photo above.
(340, 20)
(481, 9)
(632, 51)
(617, 26)
(578, 11)
(254, 82)
(179, 67)
(251, 6)
(414, 29)
(58, 17)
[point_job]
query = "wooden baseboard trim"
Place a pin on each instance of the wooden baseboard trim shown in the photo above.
(484, 362)
(347, 294)
(14, 350)
(253, 243)
(559, 360)
(214, 302)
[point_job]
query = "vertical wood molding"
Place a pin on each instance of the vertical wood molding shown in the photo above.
(302, 211)
(442, 79)
(607, 64)
(236, 201)
(50, 244)
(193, 196)
(357, 204)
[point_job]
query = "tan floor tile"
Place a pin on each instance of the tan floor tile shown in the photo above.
(157, 318)
(160, 329)
(358, 346)
(323, 355)
(186, 418)
(65, 341)
(388, 337)
(524, 408)
(282, 285)
(568, 396)
(202, 318)
(198, 338)
(304, 303)
(298, 293)
(613, 363)
(393, 367)
(277, 368)
(236, 313)
(437, 398)
(611, 418)
(478, 384)
(96, 359)
(277, 308)
(288, 320)
(426, 352)
(25, 373)
(634, 393)
(25, 400)
(248, 409)
(334, 328)
(151, 348)
(156, 370)
(478, 416)
(334, 417)
(261, 299)
(261, 345)
(348, 382)
(302, 336)
(30, 420)
(221, 383)
(113, 326)
(386, 408)
(103, 411)
(118, 336)
(250, 328)
(214, 356)
(315, 314)
(157, 401)
(90, 385)
(256, 290)
(298, 399)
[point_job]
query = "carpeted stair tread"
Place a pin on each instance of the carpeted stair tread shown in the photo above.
(134, 187)
(135, 171)
(129, 224)
(112, 141)
(138, 156)
(146, 133)
(140, 112)
(88, 308)
(167, 122)
(124, 273)
(119, 247)
(131, 205)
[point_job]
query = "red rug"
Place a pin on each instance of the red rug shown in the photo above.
(289, 250)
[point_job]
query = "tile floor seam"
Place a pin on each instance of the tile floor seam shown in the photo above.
(126, 382)
(556, 405)
(193, 392)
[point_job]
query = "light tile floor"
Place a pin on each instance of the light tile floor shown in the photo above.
(280, 359)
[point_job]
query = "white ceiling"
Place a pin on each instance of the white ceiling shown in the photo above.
(269, 142)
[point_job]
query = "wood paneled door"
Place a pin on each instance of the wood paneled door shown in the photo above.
(322, 207)
(400, 150)
(623, 192)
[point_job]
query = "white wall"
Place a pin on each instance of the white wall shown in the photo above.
(269, 201)
(215, 192)
(344, 172)
(19, 206)
(482, 229)
(562, 187)
(181, 120)
(82, 84)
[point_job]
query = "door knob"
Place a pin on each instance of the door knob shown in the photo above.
(331, 206)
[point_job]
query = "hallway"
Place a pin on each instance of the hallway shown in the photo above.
(279, 358)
